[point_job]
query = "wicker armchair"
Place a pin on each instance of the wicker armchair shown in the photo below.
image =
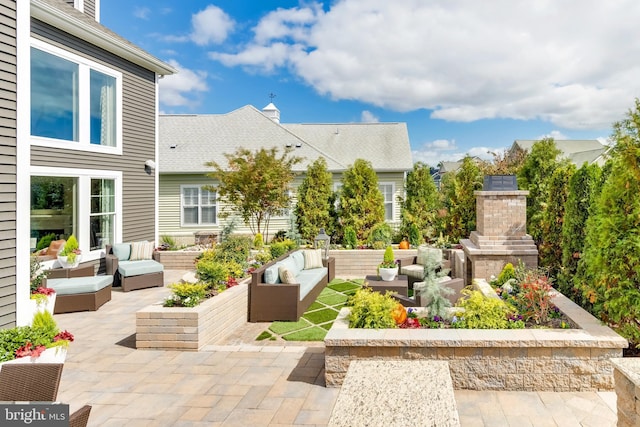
(36, 382)
(80, 418)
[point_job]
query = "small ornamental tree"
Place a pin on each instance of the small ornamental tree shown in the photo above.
(314, 206)
(419, 208)
(534, 177)
(611, 260)
(254, 185)
(461, 217)
(579, 201)
(361, 202)
(550, 249)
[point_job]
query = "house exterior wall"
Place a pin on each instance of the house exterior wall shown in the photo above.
(8, 162)
(138, 135)
(169, 202)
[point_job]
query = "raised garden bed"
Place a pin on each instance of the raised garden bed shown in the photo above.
(520, 359)
(184, 328)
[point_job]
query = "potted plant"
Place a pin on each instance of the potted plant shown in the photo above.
(70, 255)
(388, 268)
(42, 342)
(42, 297)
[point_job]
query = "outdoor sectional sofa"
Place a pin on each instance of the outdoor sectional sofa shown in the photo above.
(306, 274)
(132, 266)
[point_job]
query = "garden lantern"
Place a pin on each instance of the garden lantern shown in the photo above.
(322, 242)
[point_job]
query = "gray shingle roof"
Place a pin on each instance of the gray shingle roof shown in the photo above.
(197, 139)
(576, 150)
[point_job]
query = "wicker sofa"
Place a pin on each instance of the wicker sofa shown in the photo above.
(270, 299)
(130, 271)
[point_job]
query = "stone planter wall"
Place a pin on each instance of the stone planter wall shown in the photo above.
(177, 260)
(627, 378)
(524, 359)
(183, 328)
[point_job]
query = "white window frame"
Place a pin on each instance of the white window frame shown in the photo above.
(392, 201)
(200, 206)
(286, 212)
(84, 177)
(84, 114)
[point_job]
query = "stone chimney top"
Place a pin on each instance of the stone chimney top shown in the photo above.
(272, 112)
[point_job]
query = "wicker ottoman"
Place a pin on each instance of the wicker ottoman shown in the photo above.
(81, 293)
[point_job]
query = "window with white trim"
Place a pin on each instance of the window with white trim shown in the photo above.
(85, 203)
(387, 189)
(198, 206)
(75, 102)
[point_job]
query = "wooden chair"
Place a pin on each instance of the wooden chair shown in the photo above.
(34, 382)
(80, 418)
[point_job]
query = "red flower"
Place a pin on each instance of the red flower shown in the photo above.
(64, 335)
(27, 350)
(44, 291)
(231, 281)
(410, 323)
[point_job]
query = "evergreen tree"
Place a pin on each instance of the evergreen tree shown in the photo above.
(550, 250)
(361, 202)
(611, 263)
(459, 191)
(534, 177)
(419, 208)
(315, 201)
(579, 201)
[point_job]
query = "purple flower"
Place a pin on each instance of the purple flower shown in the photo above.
(437, 319)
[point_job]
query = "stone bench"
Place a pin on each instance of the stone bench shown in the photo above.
(396, 393)
(81, 293)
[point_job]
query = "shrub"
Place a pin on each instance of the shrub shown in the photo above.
(168, 243)
(415, 237)
(371, 310)
(508, 272)
(257, 241)
(212, 272)
(380, 235)
(234, 248)
(481, 312)
(186, 294)
(264, 256)
(45, 241)
(431, 290)
(535, 299)
(350, 240)
(280, 248)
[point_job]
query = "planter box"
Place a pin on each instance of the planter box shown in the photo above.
(508, 359)
(191, 328)
(177, 260)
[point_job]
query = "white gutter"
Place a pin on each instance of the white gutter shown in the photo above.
(56, 17)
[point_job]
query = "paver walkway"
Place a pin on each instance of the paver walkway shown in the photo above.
(248, 383)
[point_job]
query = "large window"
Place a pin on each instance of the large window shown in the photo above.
(387, 190)
(103, 213)
(74, 100)
(86, 205)
(198, 206)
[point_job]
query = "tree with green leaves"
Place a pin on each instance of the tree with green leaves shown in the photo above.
(361, 202)
(550, 249)
(255, 185)
(419, 207)
(582, 187)
(315, 201)
(534, 177)
(610, 267)
(460, 199)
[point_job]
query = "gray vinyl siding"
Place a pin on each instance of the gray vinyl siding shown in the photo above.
(8, 164)
(138, 133)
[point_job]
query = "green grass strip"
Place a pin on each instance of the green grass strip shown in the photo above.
(333, 299)
(264, 335)
(344, 286)
(315, 306)
(321, 316)
(281, 328)
(310, 334)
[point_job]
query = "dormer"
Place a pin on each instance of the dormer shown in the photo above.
(88, 7)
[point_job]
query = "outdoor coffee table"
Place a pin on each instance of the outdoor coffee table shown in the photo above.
(398, 285)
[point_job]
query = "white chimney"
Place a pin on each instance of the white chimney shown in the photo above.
(272, 112)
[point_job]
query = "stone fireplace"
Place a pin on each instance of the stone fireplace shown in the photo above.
(501, 235)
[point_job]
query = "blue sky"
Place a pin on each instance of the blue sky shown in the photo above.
(465, 76)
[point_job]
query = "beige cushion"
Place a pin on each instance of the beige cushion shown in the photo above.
(312, 258)
(141, 250)
(286, 275)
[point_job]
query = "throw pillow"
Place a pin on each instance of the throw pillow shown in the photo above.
(312, 258)
(286, 275)
(271, 275)
(122, 251)
(141, 250)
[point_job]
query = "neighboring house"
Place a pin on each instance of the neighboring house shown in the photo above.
(187, 142)
(83, 102)
(578, 151)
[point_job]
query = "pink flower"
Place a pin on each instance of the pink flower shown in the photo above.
(64, 335)
(44, 291)
(27, 350)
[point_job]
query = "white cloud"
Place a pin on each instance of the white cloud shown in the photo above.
(442, 144)
(142, 12)
(465, 60)
(211, 25)
(183, 88)
(434, 153)
(368, 117)
(555, 134)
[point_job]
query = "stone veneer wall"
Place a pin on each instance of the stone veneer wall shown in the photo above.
(501, 213)
(522, 359)
(183, 328)
(177, 260)
(627, 378)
